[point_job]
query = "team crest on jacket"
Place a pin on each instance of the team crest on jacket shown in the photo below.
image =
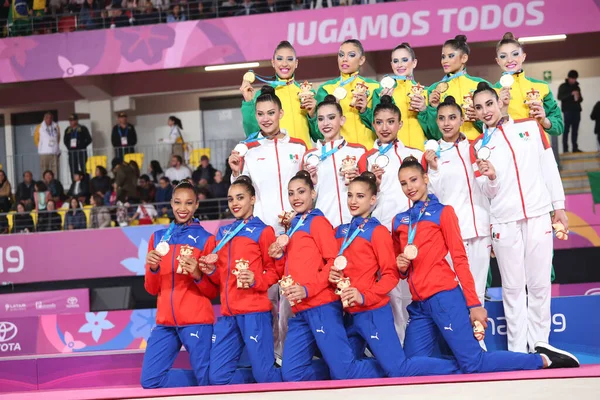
(185, 251)
(524, 135)
(294, 158)
(405, 220)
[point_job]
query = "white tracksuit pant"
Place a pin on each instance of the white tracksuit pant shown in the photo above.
(524, 253)
(400, 298)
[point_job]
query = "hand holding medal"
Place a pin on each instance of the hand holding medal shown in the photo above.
(246, 88)
(436, 95)
(486, 168)
(387, 86)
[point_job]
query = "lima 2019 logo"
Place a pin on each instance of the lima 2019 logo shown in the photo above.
(8, 332)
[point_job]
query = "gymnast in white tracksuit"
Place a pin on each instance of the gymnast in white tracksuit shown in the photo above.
(384, 161)
(452, 180)
(326, 161)
(530, 189)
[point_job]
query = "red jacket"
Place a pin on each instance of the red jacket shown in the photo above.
(371, 263)
(437, 233)
(309, 256)
(181, 300)
(252, 244)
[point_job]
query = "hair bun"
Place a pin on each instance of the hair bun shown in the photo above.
(243, 178)
(483, 86)
(267, 89)
(303, 174)
(449, 100)
(461, 38)
(386, 100)
(329, 99)
(508, 36)
(370, 176)
(284, 43)
(410, 159)
(405, 44)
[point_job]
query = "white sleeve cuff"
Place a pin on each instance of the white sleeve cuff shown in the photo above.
(558, 205)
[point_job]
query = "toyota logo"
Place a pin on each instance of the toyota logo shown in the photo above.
(8, 331)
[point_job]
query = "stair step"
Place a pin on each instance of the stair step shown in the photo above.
(578, 156)
(578, 190)
(576, 172)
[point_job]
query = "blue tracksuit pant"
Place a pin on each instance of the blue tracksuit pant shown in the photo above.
(376, 328)
(231, 334)
(323, 328)
(162, 349)
(446, 313)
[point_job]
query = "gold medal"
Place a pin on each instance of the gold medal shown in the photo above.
(506, 81)
(442, 87)
(340, 93)
(249, 77)
(387, 82)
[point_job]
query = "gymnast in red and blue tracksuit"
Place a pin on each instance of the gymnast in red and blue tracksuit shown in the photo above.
(318, 321)
(184, 312)
(244, 272)
(423, 236)
(371, 268)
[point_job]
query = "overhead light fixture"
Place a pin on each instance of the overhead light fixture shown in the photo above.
(231, 66)
(539, 39)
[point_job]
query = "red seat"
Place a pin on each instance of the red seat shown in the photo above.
(67, 24)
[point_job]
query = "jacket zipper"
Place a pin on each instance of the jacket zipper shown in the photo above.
(228, 274)
(173, 284)
(411, 282)
(288, 88)
(470, 191)
(279, 175)
(337, 184)
(516, 171)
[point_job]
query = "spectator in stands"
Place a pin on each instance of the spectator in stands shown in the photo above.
(5, 193)
(595, 116)
(47, 139)
(162, 5)
(201, 10)
(178, 171)
(205, 172)
(50, 219)
(41, 196)
(175, 15)
(219, 187)
(77, 139)
(175, 137)
(272, 6)
(56, 6)
(100, 216)
(4, 227)
(100, 183)
(55, 187)
(110, 197)
(118, 19)
(155, 171)
(228, 8)
(22, 221)
(145, 212)
(25, 191)
(136, 169)
(123, 137)
(90, 16)
(147, 188)
(248, 7)
(149, 15)
(125, 180)
(569, 93)
(164, 193)
(75, 217)
(80, 187)
(298, 5)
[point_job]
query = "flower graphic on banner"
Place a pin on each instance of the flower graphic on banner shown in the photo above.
(70, 69)
(137, 265)
(17, 48)
(71, 344)
(146, 43)
(96, 323)
(142, 323)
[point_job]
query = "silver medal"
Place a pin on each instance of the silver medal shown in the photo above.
(382, 161)
(484, 153)
(241, 149)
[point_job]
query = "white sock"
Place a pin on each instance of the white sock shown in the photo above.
(545, 357)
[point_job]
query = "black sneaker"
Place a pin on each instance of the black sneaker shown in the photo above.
(558, 358)
(577, 151)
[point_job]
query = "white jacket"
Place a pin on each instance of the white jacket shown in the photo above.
(271, 163)
(390, 199)
(454, 184)
(530, 183)
(48, 141)
(332, 192)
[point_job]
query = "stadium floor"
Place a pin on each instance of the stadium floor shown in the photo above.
(581, 383)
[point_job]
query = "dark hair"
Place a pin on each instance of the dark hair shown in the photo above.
(246, 182)
(357, 43)
(48, 171)
(449, 101)
(368, 178)
(411, 162)
(267, 93)
(459, 43)
(508, 38)
(573, 74)
(145, 177)
(176, 121)
(386, 103)
(178, 158)
(303, 176)
(98, 200)
(103, 171)
(406, 46)
(164, 178)
(155, 169)
(330, 100)
(41, 186)
(71, 203)
(284, 44)
(186, 184)
(484, 87)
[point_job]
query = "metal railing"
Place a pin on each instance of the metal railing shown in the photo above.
(73, 17)
(120, 216)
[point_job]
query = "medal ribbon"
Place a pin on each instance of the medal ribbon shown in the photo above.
(299, 224)
(325, 154)
(347, 81)
(402, 77)
(348, 241)
(487, 136)
(412, 230)
(448, 78)
(229, 236)
(253, 138)
(272, 83)
(386, 148)
(167, 236)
